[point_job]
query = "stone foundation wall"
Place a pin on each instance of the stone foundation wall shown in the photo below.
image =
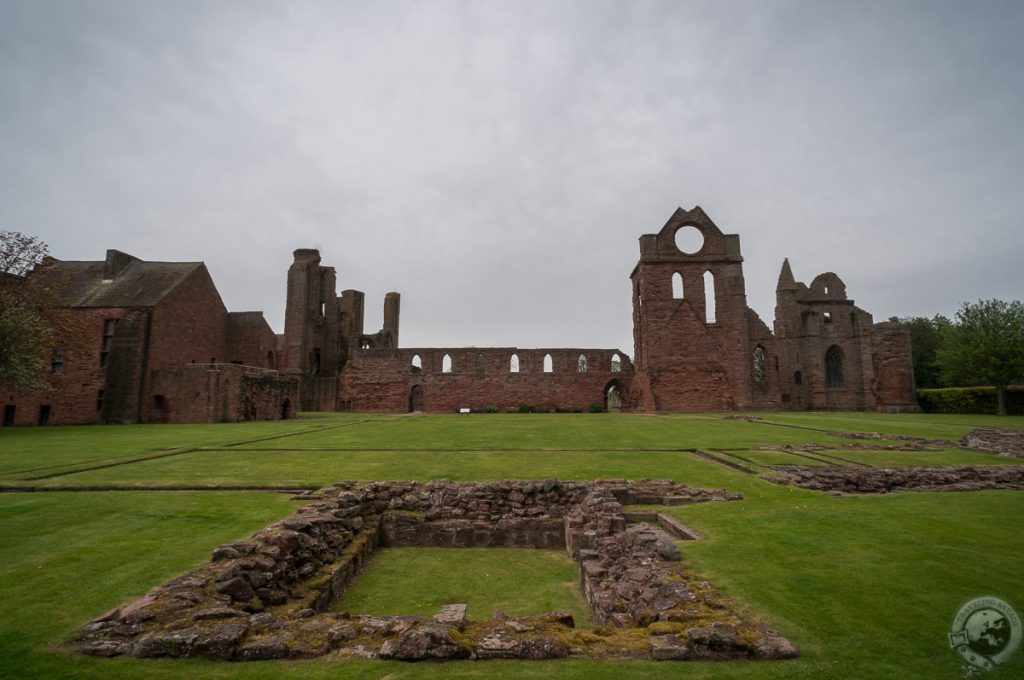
(266, 597)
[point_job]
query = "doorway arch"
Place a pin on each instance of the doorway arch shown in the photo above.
(416, 398)
(612, 397)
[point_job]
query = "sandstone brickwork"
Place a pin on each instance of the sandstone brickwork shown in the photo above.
(698, 346)
(151, 342)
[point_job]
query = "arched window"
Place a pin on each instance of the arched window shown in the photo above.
(549, 365)
(798, 378)
(616, 363)
(270, 360)
(581, 364)
(760, 359)
(446, 364)
(709, 297)
(834, 367)
(417, 364)
(513, 364)
(677, 286)
(480, 363)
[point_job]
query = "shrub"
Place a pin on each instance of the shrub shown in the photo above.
(970, 400)
(595, 408)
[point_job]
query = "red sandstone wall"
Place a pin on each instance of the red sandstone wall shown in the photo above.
(688, 361)
(250, 340)
(189, 325)
(197, 394)
(382, 380)
(73, 400)
(894, 369)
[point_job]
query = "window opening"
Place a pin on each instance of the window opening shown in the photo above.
(446, 364)
(581, 364)
(549, 365)
(57, 365)
(513, 364)
(677, 286)
(759, 364)
(834, 367)
(709, 297)
(109, 325)
(417, 364)
(616, 363)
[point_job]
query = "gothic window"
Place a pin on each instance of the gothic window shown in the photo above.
(446, 364)
(479, 364)
(677, 286)
(57, 365)
(616, 363)
(549, 365)
(581, 364)
(834, 367)
(798, 378)
(417, 364)
(759, 364)
(513, 364)
(709, 297)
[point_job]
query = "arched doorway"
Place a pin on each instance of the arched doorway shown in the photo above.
(612, 397)
(416, 398)
(286, 409)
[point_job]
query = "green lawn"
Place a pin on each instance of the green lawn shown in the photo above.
(866, 587)
(422, 580)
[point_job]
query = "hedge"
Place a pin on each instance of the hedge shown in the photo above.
(971, 400)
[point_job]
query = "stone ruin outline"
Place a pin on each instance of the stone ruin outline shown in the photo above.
(268, 597)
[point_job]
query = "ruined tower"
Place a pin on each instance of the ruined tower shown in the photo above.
(692, 329)
(312, 339)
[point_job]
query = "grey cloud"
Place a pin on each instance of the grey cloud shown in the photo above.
(496, 162)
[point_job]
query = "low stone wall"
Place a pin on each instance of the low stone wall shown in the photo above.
(1006, 441)
(872, 480)
(267, 597)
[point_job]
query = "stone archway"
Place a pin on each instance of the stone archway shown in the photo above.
(416, 398)
(612, 397)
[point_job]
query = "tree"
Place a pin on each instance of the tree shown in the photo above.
(925, 342)
(26, 336)
(985, 346)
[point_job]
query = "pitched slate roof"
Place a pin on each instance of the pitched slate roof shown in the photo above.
(137, 284)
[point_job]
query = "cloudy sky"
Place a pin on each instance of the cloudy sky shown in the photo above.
(495, 162)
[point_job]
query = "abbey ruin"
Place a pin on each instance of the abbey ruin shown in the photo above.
(167, 350)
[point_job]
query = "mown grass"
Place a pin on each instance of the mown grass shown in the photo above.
(422, 580)
(866, 587)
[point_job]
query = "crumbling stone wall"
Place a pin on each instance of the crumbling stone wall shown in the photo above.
(219, 393)
(480, 378)
(267, 597)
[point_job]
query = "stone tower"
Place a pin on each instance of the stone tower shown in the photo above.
(312, 333)
(691, 324)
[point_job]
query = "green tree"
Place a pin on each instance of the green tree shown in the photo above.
(925, 342)
(985, 346)
(26, 336)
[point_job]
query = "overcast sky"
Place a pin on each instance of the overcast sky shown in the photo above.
(495, 162)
